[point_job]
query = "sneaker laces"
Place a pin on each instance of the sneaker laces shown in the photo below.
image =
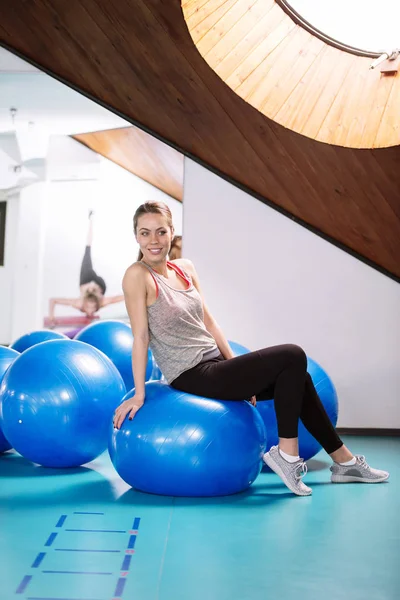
(300, 471)
(362, 462)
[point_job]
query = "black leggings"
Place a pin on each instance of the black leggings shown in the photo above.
(278, 373)
(88, 274)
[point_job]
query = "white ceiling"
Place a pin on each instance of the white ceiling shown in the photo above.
(11, 63)
(45, 109)
(46, 103)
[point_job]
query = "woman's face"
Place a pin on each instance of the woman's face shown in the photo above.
(154, 237)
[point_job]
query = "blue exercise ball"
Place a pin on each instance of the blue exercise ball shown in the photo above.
(7, 357)
(115, 339)
(156, 374)
(56, 403)
(308, 445)
(238, 349)
(179, 444)
(36, 337)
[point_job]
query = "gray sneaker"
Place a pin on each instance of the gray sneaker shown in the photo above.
(290, 473)
(360, 472)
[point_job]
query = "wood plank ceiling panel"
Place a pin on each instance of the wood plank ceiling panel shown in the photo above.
(268, 76)
(274, 40)
(229, 35)
(141, 154)
(235, 49)
(233, 15)
(374, 113)
(204, 26)
(137, 57)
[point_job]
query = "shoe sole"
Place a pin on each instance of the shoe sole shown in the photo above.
(351, 479)
(269, 461)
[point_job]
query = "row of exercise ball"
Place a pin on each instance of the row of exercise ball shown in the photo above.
(113, 338)
(53, 418)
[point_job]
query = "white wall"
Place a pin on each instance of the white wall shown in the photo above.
(21, 275)
(269, 281)
(45, 103)
(6, 271)
(27, 275)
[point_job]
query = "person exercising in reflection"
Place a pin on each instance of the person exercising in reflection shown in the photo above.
(92, 287)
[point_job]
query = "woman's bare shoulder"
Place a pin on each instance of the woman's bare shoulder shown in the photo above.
(185, 264)
(135, 273)
(136, 267)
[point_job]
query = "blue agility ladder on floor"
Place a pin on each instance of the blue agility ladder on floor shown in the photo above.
(56, 567)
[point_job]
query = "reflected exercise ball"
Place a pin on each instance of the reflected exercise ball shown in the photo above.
(7, 357)
(57, 400)
(36, 337)
(115, 339)
(179, 444)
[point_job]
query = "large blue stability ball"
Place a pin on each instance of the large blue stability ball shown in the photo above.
(238, 349)
(7, 357)
(115, 339)
(156, 374)
(184, 445)
(308, 445)
(36, 337)
(56, 403)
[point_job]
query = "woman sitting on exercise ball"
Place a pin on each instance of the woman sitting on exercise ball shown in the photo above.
(167, 312)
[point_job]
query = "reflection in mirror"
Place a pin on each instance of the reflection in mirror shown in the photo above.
(71, 177)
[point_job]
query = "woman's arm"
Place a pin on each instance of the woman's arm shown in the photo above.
(209, 321)
(75, 302)
(134, 286)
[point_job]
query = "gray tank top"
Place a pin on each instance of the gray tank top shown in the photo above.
(179, 339)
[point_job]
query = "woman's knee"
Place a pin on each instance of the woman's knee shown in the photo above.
(297, 355)
(309, 380)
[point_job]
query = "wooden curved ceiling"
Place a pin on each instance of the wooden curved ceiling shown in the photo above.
(137, 57)
(293, 77)
(141, 154)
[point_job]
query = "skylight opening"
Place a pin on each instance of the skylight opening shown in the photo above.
(368, 25)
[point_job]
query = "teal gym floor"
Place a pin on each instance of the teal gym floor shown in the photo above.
(83, 534)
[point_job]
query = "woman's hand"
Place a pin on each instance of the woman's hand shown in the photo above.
(131, 406)
(253, 401)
